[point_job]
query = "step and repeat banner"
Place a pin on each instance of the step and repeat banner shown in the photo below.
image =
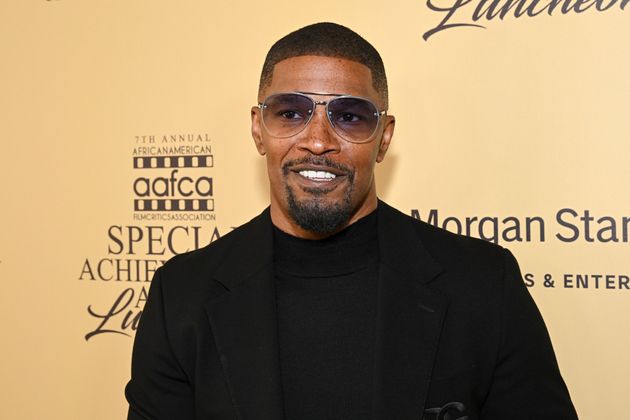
(126, 140)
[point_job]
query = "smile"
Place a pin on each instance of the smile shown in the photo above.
(318, 175)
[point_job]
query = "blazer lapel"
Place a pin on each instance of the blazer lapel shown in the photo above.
(243, 322)
(409, 320)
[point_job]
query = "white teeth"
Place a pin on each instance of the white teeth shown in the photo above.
(318, 175)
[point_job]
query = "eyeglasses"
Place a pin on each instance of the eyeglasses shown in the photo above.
(353, 118)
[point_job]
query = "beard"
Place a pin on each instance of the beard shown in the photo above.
(316, 213)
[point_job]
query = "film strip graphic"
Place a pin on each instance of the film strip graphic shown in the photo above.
(188, 204)
(184, 161)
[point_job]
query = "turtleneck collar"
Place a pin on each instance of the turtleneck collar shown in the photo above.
(348, 251)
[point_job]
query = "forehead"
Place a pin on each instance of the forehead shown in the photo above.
(322, 74)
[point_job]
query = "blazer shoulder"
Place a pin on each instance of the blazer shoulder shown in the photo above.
(199, 265)
(475, 268)
(465, 256)
(444, 245)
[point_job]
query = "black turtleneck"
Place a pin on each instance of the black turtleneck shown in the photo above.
(326, 296)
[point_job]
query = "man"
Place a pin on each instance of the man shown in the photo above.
(331, 304)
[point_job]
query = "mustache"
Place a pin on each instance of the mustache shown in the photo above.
(315, 160)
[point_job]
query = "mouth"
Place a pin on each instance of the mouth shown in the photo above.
(316, 183)
(317, 175)
(321, 175)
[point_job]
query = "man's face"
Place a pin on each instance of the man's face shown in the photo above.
(306, 201)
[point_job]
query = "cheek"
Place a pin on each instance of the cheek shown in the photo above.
(274, 169)
(364, 164)
(364, 159)
(276, 156)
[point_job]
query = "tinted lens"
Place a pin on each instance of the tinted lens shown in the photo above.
(354, 119)
(286, 114)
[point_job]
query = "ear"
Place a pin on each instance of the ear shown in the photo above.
(257, 130)
(386, 138)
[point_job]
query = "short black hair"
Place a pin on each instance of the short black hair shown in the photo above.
(328, 40)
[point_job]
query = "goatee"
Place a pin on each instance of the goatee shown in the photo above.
(316, 213)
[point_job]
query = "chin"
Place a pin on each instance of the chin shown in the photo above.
(319, 214)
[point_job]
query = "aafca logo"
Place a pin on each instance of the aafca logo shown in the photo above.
(173, 173)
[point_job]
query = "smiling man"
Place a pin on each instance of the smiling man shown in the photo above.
(332, 304)
(321, 145)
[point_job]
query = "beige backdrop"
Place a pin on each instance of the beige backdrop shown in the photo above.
(522, 119)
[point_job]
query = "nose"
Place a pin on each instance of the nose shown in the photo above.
(318, 137)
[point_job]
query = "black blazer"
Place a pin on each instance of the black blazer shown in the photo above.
(458, 335)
